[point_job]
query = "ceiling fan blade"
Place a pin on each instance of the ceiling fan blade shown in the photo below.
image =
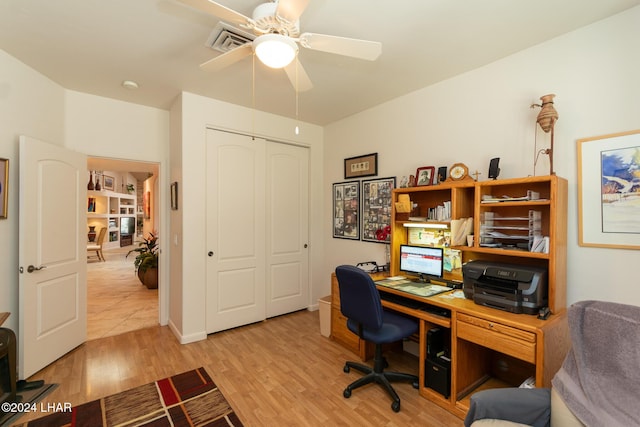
(228, 58)
(218, 10)
(291, 9)
(361, 49)
(301, 82)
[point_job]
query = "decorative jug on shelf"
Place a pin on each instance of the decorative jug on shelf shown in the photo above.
(90, 184)
(91, 235)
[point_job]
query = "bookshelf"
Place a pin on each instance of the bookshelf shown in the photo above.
(107, 209)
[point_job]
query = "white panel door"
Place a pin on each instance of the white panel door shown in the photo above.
(235, 234)
(52, 253)
(287, 228)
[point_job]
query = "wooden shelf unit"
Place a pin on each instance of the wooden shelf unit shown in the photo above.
(488, 347)
(466, 201)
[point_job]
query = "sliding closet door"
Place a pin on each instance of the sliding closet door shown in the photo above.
(287, 228)
(235, 192)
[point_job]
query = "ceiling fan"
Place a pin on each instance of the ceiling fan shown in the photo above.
(277, 28)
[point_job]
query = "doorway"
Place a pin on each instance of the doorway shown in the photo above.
(116, 300)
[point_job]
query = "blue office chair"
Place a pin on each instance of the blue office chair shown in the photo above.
(360, 304)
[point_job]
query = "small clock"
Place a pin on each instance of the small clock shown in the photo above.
(458, 172)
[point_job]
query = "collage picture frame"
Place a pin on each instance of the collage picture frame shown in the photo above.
(346, 210)
(376, 209)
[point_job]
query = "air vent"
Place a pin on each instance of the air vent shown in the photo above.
(224, 37)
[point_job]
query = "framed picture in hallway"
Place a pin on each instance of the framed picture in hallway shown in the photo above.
(146, 204)
(174, 196)
(4, 180)
(108, 183)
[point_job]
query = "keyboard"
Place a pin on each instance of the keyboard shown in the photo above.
(414, 304)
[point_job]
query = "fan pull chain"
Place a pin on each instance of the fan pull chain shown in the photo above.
(253, 97)
(297, 130)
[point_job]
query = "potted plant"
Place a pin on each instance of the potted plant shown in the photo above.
(146, 262)
(131, 189)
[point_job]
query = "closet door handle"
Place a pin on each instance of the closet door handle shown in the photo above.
(210, 253)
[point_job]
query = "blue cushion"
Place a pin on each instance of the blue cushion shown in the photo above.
(360, 304)
(395, 327)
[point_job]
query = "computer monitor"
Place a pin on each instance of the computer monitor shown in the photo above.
(422, 260)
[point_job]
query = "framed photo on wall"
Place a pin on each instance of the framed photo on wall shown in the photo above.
(361, 166)
(376, 209)
(346, 210)
(4, 189)
(609, 190)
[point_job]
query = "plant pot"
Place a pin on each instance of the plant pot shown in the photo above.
(149, 278)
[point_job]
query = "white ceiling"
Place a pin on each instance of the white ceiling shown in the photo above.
(91, 46)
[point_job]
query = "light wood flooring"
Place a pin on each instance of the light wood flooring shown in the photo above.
(280, 372)
(116, 300)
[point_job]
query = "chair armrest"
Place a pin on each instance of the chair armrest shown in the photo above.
(530, 406)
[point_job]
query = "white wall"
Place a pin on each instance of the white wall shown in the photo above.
(485, 113)
(194, 114)
(32, 105)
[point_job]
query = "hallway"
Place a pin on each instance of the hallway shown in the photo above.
(116, 300)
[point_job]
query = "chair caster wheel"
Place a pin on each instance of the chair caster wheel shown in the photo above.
(346, 369)
(415, 385)
(346, 393)
(395, 406)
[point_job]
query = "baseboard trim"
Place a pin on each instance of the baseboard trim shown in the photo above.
(186, 339)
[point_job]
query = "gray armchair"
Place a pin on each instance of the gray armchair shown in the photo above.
(598, 384)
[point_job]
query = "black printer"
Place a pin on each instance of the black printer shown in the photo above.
(509, 287)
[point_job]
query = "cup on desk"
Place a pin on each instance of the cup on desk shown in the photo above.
(470, 240)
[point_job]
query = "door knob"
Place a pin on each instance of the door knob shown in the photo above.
(31, 268)
(210, 253)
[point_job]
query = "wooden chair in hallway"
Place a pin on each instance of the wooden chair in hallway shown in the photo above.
(97, 245)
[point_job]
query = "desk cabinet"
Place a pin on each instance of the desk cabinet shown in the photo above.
(489, 348)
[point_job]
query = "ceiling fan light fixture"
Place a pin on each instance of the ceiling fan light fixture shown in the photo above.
(275, 50)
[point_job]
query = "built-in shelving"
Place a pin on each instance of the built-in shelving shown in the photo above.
(108, 209)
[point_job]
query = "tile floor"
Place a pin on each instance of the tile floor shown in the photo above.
(116, 300)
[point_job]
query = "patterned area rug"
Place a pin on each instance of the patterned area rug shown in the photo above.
(189, 399)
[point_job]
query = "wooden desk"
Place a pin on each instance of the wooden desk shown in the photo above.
(489, 348)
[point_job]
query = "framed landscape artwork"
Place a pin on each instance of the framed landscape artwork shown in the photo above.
(346, 210)
(609, 190)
